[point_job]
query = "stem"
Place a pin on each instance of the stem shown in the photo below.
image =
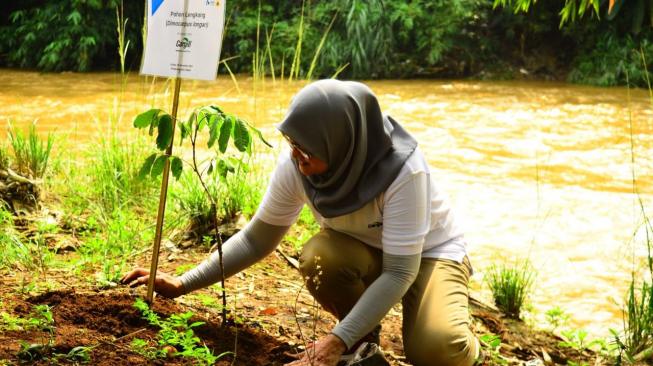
(218, 239)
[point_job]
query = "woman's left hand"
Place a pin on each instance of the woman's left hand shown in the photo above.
(325, 352)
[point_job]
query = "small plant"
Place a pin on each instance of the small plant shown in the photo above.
(176, 332)
(31, 154)
(221, 127)
(577, 340)
(492, 344)
(510, 286)
(556, 317)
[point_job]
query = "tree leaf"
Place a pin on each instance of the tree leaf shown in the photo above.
(146, 167)
(159, 164)
(145, 119)
(215, 123)
(242, 138)
(225, 133)
(165, 132)
(260, 135)
(176, 166)
(209, 171)
(225, 167)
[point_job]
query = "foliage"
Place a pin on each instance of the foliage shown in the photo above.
(113, 172)
(614, 60)
(556, 317)
(31, 154)
(492, 344)
(107, 251)
(510, 286)
(219, 127)
(41, 319)
(176, 331)
(65, 35)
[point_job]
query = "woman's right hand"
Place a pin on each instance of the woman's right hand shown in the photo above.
(164, 284)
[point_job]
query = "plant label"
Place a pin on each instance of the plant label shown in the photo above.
(184, 38)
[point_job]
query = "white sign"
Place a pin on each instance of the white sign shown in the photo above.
(183, 38)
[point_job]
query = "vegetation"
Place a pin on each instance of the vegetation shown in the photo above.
(510, 286)
(175, 337)
(31, 155)
(220, 127)
(354, 38)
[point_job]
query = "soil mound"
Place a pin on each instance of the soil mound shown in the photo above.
(108, 322)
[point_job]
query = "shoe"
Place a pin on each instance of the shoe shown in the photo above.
(367, 354)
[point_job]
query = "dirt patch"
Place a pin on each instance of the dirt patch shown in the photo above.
(108, 322)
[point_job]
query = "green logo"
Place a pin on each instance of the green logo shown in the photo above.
(184, 43)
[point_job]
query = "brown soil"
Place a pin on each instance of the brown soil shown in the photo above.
(108, 322)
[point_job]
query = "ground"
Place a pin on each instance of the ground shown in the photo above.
(267, 301)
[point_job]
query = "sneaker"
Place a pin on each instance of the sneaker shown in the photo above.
(367, 354)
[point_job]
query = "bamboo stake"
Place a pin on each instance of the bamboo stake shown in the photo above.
(162, 199)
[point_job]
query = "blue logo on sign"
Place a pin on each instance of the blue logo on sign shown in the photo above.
(155, 5)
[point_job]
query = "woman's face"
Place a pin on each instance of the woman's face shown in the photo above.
(307, 163)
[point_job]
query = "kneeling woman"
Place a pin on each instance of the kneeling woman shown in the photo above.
(388, 233)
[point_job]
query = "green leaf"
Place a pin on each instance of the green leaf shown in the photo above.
(145, 119)
(209, 171)
(159, 164)
(176, 166)
(165, 133)
(147, 166)
(225, 133)
(242, 138)
(260, 135)
(225, 167)
(215, 123)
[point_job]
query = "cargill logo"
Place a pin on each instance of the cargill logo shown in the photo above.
(184, 43)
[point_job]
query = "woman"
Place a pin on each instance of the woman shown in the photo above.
(388, 234)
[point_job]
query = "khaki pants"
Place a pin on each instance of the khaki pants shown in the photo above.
(436, 331)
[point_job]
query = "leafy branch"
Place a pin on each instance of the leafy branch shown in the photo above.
(221, 128)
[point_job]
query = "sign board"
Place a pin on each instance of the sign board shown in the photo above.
(184, 38)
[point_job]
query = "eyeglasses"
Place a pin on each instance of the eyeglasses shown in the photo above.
(305, 155)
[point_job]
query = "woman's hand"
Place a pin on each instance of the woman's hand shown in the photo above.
(325, 352)
(164, 284)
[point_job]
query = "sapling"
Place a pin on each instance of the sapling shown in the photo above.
(219, 127)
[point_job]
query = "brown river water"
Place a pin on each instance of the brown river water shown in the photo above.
(536, 170)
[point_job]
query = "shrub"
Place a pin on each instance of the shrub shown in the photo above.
(510, 286)
(31, 154)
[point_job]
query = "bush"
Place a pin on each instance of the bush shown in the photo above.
(614, 60)
(510, 286)
(31, 154)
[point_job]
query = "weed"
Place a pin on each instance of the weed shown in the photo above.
(556, 317)
(492, 344)
(31, 154)
(577, 340)
(510, 286)
(176, 331)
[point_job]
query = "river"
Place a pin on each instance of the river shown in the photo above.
(536, 170)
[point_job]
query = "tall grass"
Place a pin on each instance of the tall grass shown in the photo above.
(510, 286)
(638, 311)
(31, 154)
(4, 157)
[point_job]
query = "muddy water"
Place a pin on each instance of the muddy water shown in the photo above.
(536, 170)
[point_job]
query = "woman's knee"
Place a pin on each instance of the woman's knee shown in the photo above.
(333, 256)
(444, 347)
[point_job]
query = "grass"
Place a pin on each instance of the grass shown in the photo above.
(4, 158)
(510, 286)
(31, 154)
